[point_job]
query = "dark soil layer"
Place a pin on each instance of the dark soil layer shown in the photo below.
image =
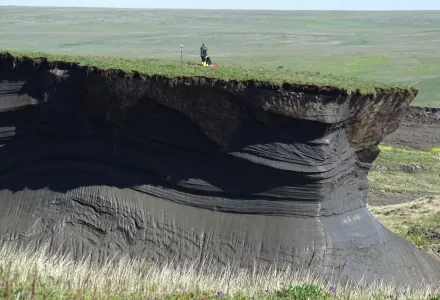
(198, 170)
(419, 129)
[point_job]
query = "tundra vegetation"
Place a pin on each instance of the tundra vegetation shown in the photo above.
(175, 69)
(395, 48)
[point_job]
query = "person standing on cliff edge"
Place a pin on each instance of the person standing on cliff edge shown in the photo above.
(203, 54)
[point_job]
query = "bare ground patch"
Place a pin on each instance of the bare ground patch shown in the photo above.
(419, 129)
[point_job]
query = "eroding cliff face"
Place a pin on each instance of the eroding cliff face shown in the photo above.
(100, 161)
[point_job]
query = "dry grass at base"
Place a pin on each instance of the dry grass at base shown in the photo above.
(28, 274)
(418, 221)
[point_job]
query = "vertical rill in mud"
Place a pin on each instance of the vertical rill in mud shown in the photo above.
(196, 169)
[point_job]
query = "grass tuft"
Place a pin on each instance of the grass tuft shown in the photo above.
(435, 150)
(385, 148)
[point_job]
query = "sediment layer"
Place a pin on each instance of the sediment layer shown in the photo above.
(99, 161)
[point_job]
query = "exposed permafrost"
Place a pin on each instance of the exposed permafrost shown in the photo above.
(190, 168)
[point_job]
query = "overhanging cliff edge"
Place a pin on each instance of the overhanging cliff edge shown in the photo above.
(228, 167)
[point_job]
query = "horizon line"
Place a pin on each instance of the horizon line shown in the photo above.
(241, 9)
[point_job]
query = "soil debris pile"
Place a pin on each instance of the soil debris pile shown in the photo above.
(197, 169)
(419, 129)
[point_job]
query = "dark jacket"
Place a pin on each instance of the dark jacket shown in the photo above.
(203, 51)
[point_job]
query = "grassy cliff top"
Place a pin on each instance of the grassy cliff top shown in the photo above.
(179, 69)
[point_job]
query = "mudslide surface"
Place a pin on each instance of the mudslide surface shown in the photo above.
(105, 163)
(419, 129)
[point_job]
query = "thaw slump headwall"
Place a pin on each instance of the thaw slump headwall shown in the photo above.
(196, 169)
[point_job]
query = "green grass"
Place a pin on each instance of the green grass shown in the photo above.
(26, 274)
(390, 156)
(364, 63)
(417, 220)
(387, 174)
(397, 48)
(175, 69)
